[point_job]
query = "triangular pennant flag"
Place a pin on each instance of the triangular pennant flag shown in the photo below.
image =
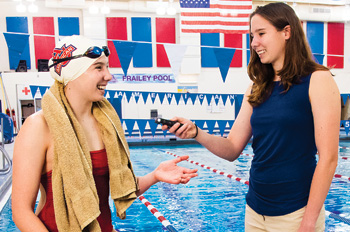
(232, 98)
(136, 96)
(142, 125)
(129, 125)
(177, 97)
(43, 90)
(169, 97)
(211, 125)
(33, 89)
(153, 126)
(128, 95)
(16, 44)
(175, 54)
(161, 97)
(185, 97)
(222, 126)
(193, 97)
(224, 98)
(125, 50)
(238, 103)
(344, 97)
(153, 97)
(216, 98)
(224, 57)
(144, 96)
(201, 98)
(209, 97)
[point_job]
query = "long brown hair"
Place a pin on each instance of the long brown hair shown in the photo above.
(298, 60)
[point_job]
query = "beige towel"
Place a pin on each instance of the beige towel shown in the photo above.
(75, 196)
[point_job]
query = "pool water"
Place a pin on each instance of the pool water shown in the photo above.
(209, 202)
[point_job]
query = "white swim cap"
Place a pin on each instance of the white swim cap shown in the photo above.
(71, 69)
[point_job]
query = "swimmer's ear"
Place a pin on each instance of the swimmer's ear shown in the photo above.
(287, 32)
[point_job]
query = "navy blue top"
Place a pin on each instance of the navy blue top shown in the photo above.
(284, 151)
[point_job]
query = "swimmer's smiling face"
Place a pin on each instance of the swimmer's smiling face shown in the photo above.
(91, 85)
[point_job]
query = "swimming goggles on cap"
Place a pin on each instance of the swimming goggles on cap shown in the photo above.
(92, 52)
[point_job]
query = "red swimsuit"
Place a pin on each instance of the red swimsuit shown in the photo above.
(101, 176)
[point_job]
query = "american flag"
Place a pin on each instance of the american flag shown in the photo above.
(215, 16)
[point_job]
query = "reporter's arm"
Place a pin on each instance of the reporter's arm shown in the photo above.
(227, 148)
(326, 108)
(28, 162)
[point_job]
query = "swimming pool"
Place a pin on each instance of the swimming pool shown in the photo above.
(210, 202)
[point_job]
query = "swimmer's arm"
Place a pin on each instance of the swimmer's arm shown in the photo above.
(28, 161)
(167, 172)
(326, 108)
(227, 148)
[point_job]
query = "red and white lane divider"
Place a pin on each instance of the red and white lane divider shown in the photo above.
(157, 214)
(250, 155)
(212, 169)
(335, 176)
(342, 177)
(337, 216)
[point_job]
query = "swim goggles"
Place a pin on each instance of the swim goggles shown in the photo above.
(91, 52)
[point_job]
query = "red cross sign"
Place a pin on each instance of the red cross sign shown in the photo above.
(26, 91)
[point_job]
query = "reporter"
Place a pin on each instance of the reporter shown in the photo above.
(291, 110)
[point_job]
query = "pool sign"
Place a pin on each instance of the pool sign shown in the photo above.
(143, 78)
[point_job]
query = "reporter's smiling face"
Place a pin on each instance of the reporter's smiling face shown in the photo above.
(93, 82)
(267, 42)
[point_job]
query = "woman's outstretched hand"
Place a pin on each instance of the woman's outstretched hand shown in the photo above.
(169, 172)
(187, 131)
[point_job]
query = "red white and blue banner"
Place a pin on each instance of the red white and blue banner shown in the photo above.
(326, 42)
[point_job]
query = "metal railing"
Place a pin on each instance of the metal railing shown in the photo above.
(5, 158)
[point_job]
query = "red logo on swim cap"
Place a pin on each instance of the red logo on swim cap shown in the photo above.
(63, 52)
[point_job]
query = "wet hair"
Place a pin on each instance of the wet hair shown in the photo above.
(298, 60)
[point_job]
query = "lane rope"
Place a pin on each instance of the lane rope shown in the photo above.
(338, 216)
(157, 214)
(335, 175)
(212, 169)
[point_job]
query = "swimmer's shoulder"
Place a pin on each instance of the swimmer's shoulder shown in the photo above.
(35, 126)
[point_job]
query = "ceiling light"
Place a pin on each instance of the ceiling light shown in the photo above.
(20, 8)
(171, 11)
(161, 11)
(93, 9)
(105, 10)
(33, 8)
